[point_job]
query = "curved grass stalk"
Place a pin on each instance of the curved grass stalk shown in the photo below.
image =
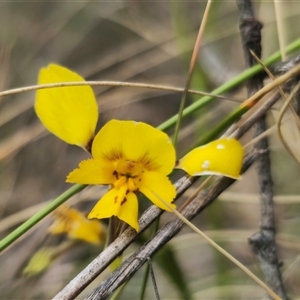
(110, 84)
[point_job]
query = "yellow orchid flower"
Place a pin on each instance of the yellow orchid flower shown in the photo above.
(70, 113)
(132, 157)
(75, 224)
(221, 157)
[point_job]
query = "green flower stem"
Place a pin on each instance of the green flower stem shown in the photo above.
(229, 85)
(9, 239)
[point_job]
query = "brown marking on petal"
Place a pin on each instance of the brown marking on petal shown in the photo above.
(127, 192)
(124, 201)
(147, 162)
(115, 173)
(114, 155)
(116, 199)
(144, 160)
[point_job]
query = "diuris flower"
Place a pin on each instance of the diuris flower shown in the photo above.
(128, 156)
(131, 157)
(75, 224)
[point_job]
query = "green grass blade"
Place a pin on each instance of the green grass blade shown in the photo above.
(229, 85)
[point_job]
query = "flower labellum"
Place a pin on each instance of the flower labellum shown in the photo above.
(220, 157)
(131, 157)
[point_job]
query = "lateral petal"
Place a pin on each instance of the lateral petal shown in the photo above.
(221, 157)
(156, 186)
(93, 171)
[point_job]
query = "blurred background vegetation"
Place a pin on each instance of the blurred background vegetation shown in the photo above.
(146, 42)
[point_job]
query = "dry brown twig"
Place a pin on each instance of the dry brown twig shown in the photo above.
(262, 243)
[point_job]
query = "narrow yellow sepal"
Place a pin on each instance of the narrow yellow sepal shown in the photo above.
(220, 157)
(71, 113)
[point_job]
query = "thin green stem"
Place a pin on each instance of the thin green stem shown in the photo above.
(144, 282)
(9, 239)
(119, 291)
(229, 85)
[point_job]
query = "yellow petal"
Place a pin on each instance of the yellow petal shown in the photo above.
(220, 157)
(71, 113)
(135, 141)
(156, 186)
(90, 231)
(93, 171)
(74, 223)
(129, 211)
(107, 206)
(111, 204)
(58, 227)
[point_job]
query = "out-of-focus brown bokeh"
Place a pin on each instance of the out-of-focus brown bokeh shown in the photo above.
(145, 42)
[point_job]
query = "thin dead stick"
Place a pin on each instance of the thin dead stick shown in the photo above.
(108, 83)
(263, 243)
(243, 125)
(280, 90)
(270, 86)
(196, 193)
(190, 72)
(291, 73)
(280, 28)
(266, 133)
(281, 114)
(220, 249)
(267, 88)
(259, 137)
